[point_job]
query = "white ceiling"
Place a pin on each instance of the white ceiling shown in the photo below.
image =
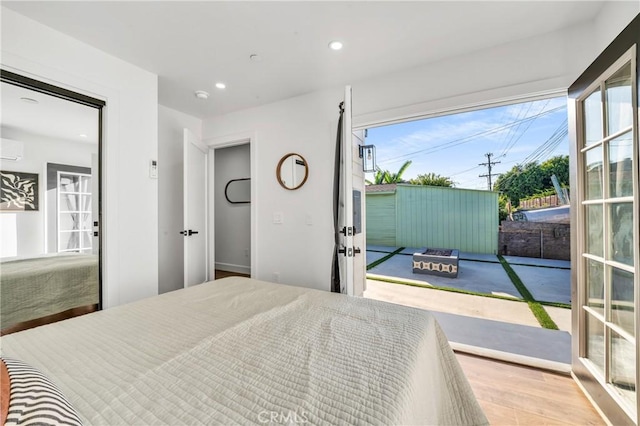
(51, 117)
(192, 45)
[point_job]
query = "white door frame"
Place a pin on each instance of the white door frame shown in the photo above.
(227, 141)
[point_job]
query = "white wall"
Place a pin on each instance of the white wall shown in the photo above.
(548, 63)
(612, 19)
(130, 197)
(302, 253)
(38, 151)
(171, 125)
(232, 221)
(299, 252)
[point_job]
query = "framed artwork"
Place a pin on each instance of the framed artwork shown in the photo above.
(18, 191)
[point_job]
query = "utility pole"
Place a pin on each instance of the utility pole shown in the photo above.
(489, 163)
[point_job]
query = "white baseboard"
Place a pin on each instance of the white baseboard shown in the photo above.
(240, 269)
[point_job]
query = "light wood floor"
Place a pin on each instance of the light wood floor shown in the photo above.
(514, 395)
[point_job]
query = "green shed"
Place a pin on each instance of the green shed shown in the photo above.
(428, 216)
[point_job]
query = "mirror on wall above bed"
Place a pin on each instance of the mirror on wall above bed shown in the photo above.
(292, 171)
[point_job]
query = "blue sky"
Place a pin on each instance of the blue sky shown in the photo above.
(454, 145)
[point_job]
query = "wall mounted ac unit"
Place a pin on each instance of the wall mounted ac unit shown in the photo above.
(11, 150)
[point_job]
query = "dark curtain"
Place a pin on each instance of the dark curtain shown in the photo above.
(335, 267)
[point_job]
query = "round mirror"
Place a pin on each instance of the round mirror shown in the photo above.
(292, 171)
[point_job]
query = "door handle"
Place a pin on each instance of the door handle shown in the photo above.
(191, 232)
(183, 233)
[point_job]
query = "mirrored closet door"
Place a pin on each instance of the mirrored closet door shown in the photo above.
(49, 203)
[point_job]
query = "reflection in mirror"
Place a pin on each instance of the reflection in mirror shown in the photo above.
(238, 191)
(292, 171)
(48, 204)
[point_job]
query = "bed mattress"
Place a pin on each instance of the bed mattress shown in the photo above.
(37, 287)
(242, 351)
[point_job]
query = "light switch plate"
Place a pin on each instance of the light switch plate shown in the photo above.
(277, 217)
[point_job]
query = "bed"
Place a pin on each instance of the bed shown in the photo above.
(39, 287)
(242, 351)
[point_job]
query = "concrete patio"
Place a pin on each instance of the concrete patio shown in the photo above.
(500, 328)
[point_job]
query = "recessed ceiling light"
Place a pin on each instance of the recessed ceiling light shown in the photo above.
(30, 100)
(255, 57)
(220, 85)
(335, 45)
(82, 135)
(201, 94)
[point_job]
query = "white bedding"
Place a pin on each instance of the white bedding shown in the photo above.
(240, 351)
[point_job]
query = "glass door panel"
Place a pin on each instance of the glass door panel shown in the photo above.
(74, 212)
(595, 286)
(592, 106)
(621, 232)
(594, 218)
(595, 342)
(608, 210)
(620, 170)
(593, 172)
(618, 98)
(623, 368)
(622, 294)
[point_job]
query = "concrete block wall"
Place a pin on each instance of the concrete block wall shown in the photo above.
(535, 239)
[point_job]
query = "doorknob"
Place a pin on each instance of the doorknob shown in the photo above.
(183, 233)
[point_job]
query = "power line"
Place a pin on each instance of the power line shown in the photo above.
(489, 163)
(514, 139)
(543, 150)
(469, 138)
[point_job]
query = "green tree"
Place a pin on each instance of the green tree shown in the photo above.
(385, 176)
(432, 179)
(532, 178)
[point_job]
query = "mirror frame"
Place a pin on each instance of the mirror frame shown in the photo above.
(226, 191)
(279, 168)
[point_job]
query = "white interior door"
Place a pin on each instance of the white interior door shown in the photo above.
(195, 210)
(352, 263)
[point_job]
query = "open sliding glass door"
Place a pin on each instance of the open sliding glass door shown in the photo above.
(605, 208)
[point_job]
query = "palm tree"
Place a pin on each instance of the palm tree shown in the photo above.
(432, 179)
(385, 176)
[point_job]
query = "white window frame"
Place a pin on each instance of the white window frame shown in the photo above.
(59, 212)
(605, 260)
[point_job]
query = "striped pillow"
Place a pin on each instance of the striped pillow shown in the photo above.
(35, 399)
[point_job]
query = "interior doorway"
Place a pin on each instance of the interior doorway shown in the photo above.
(232, 210)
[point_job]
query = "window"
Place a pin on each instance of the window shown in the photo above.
(74, 212)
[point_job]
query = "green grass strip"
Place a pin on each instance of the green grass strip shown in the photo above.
(536, 308)
(383, 259)
(435, 287)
